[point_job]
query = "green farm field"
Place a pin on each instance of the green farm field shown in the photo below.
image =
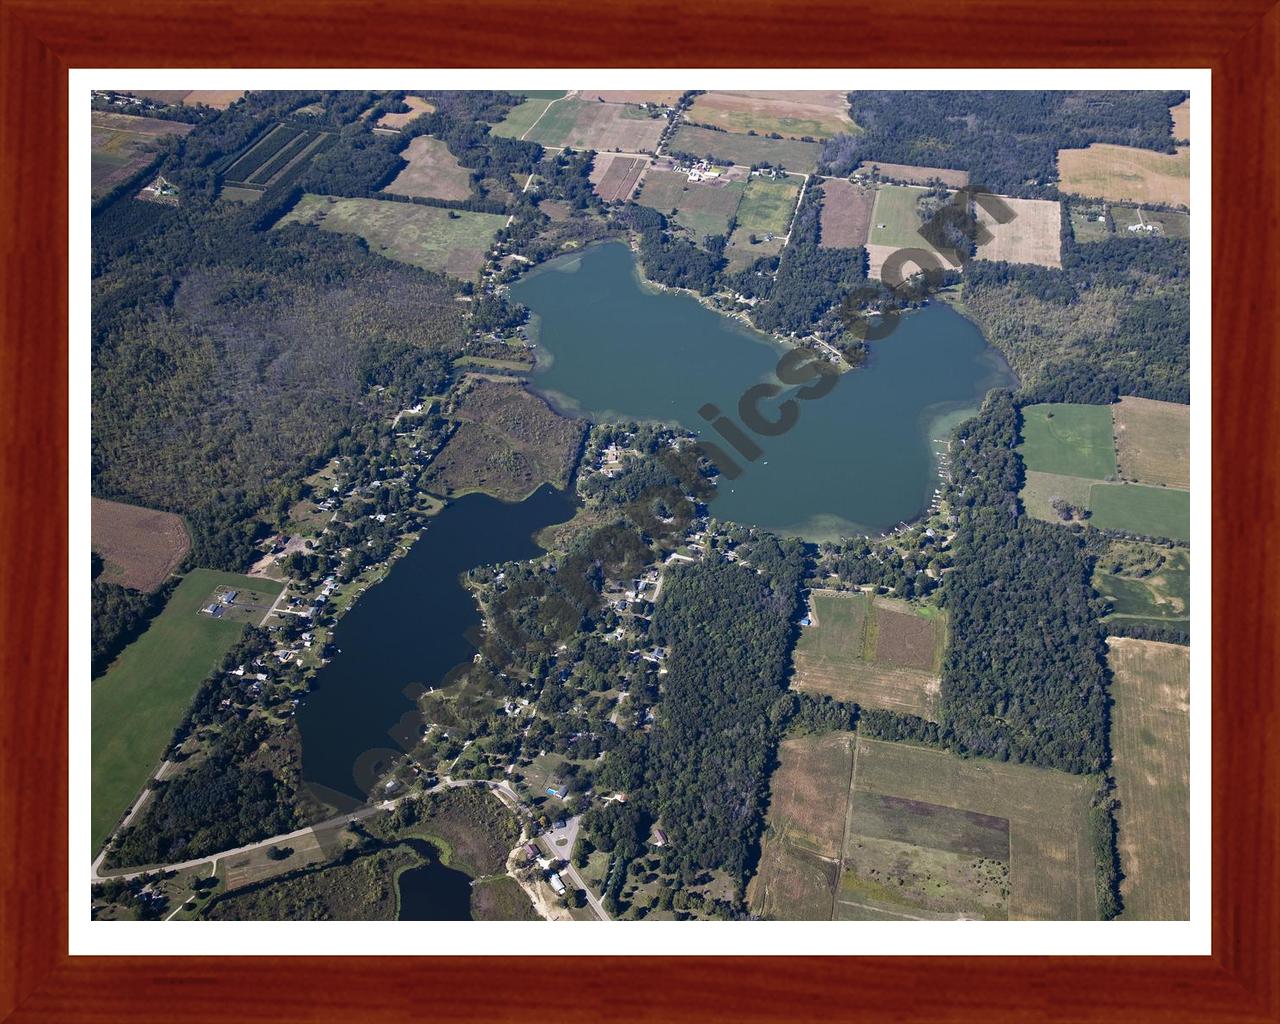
(1151, 745)
(139, 702)
(702, 208)
(1068, 440)
(522, 116)
(1149, 511)
(1128, 508)
(895, 220)
(447, 241)
(767, 205)
(800, 157)
(765, 210)
(885, 654)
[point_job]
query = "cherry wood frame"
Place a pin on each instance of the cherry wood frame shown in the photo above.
(41, 39)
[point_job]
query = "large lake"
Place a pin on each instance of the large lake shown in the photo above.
(859, 460)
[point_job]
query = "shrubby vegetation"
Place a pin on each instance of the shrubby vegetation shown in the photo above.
(226, 359)
(1114, 321)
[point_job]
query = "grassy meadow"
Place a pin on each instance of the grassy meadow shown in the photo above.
(142, 698)
(447, 241)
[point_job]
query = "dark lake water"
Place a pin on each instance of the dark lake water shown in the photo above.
(434, 892)
(407, 632)
(859, 460)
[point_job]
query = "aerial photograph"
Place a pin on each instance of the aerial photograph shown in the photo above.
(653, 505)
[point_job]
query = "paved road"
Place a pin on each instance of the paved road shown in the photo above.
(560, 842)
(502, 788)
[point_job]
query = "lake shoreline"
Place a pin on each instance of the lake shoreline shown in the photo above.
(615, 348)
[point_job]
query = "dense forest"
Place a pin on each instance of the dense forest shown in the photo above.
(703, 770)
(809, 283)
(1024, 675)
(1007, 141)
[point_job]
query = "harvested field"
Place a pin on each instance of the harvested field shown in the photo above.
(1034, 235)
(902, 638)
(1151, 745)
(1126, 174)
(817, 114)
(703, 207)
(878, 255)
(433, 172)
(911, 174)
(846, 214)
(257, 866)
(920, 834)
(792, 884)
(664, 98)
(579, 124)
(219, 99)
(1181, 115)
(417, 107)
(812, 770)
(799, 860)
(614, 176)
(450, 241)
(876, 655)
(140, 546)
(508, 443)
(730, 147)
(1050, 867)
(121, 145)
(1040, 489)
(1153, 441)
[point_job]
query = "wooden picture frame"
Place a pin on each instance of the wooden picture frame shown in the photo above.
(41, 39)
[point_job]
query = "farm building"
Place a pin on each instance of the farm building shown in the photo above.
(556, 884)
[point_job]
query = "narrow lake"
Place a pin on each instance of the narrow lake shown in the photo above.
(407, 632)
(859, 460)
